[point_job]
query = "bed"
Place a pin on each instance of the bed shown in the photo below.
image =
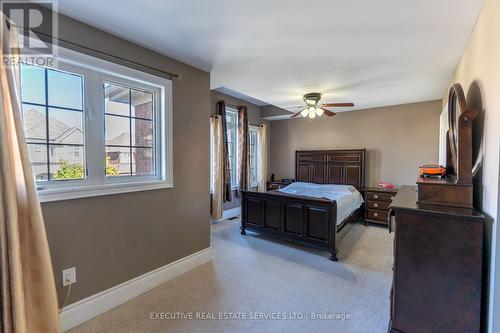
(314, 211)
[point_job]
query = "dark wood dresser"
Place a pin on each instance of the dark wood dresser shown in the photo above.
(377, 201)
(437, 267)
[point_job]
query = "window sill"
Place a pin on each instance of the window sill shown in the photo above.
(60, 194)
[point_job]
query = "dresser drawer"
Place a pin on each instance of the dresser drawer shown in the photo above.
(377, 196)
(379, 215)
(382, 205)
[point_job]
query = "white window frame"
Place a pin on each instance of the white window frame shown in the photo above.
(255, 130)
(234, 113)
(95, 72)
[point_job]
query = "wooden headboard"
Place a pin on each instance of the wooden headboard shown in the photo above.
(331, 167)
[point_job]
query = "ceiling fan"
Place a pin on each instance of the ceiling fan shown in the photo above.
(312, 109)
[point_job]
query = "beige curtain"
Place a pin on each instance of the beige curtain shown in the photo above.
(217, 167)
(28, 294)
(262, 169)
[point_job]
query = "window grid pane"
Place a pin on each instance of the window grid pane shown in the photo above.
(231, 129)
(130, 131)
(55, 135)
(66, 162)
(253, 137)
(64, 90)
(38, 157)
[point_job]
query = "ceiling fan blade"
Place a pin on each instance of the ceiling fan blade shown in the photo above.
(328, 112)
(338, 105)
(294, 107)
(296, 114)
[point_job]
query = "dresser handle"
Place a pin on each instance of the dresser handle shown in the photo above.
(375, 196)
(375, 214)
(375, 205)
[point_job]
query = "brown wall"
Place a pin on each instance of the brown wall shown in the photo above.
(398, 140)
(254, 118)
(253, 110)
(479, 74)
(111, 239)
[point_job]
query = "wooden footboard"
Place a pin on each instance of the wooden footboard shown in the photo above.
(302, 219)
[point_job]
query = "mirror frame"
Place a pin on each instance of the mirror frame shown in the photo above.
(459, 138)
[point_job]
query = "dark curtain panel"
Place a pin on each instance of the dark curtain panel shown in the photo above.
(243, 149)
(221, 110)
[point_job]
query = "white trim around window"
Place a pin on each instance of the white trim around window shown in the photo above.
(95, 72)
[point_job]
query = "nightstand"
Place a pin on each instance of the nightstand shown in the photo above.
(377, 201)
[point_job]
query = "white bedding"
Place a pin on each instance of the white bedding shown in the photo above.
(347, 197)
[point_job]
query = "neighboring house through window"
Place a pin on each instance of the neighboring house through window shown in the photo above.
(52, 103)
(129, 131)
(254, 155)
(232, 143)
(90, 123)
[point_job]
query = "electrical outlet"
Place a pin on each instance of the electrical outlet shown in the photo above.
(69, 276)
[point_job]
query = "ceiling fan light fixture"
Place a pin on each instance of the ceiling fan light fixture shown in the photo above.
(309, 112)
(313, 109)
(312, 113)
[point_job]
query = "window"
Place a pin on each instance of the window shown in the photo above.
(94, 127)
(232, 144)
(52, 104)
(254, 155)
(129, 123)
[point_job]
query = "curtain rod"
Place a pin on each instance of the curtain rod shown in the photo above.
(233, 106)
(218, 115)
(228, 104)
(62, 42)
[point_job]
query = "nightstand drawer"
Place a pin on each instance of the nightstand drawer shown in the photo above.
(382, 205)
(379, 215)
(377, 196)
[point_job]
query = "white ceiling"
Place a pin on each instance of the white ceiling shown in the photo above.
(373, 53)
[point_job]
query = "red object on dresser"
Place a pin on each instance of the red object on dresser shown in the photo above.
(387, 186)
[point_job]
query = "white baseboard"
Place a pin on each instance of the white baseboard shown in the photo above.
(90, 307)
(233, 212)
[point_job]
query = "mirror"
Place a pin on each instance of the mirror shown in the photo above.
(454, 112)
(459, 148)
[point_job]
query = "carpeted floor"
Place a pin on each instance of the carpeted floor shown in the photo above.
(259, 277)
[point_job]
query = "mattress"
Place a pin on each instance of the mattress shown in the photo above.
(347, 197)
